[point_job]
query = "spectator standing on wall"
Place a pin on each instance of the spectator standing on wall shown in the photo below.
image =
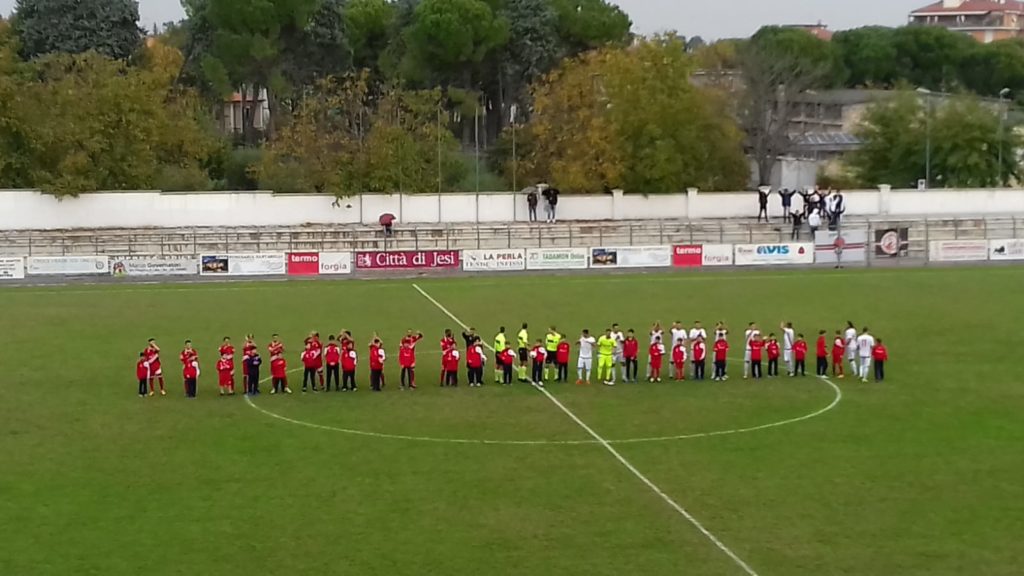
(787, 202)
(550, 203)
(762, 203)
(531, 202)
(812, 202)
(836, 210)
(814, 221)
(798, 220)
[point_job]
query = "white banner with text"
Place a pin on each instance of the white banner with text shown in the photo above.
(631, 257)
(958, 250)
(70, 265)
(243, 265)
(769, 254)
(557, 258)
(510, 260)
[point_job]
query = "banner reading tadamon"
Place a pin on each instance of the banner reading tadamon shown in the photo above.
(493, 260)
(631, 257)
(768, 254)
(71, 265)
(557, 258)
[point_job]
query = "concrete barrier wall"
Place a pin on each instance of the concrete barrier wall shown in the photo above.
(21, 209)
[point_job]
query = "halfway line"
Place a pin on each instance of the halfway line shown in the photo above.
(615, 453)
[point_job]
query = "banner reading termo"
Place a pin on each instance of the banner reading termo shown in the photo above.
(408, 260)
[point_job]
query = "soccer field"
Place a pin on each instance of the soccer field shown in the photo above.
(920, 475)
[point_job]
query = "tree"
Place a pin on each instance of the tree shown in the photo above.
(369, 24)
(318, 50)
(990, 68)
(931, 56)
(588, 24)
(779, 64)
(968, 140)
(870, 56)
(109, 27)
(450, 37)
(631, 118)
(84, 123)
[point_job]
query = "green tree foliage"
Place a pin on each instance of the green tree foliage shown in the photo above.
(991, 68)
(84, 123)
(967, 139)
(369, 24)
(109, 27)
(778, 64)
(870, 56)
(931, 56)
(450, 38)
(587, 24)
(533, 47)
(631, 118)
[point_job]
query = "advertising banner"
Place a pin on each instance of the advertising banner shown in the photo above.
(958, 250)
(243, 265)
(12, 268)
(493, 260)
(303, 264)
(998, 250)
(557, 259)
(48, 265)
(154, 266)
(688, 256)
(334, 263)
(631, 257)
(717, 255)
(768, 254)
(845, 247)
(892, 243)
(410, 259)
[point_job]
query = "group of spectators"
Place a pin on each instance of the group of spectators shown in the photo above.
(534, 194)
(813, 207)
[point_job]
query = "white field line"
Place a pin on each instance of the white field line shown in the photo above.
(622, 460)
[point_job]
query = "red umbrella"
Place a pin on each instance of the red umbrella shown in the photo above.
(387, 219)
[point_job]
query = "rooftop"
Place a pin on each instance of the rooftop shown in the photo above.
(951, 7)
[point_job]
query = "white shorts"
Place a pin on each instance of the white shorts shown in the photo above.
(585, 363)
(618, 358)
(865, 361)
(746, 355)
(787, 356)
(851, 353)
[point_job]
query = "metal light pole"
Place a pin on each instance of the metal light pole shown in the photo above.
(1002, 130)
(928, 139)
(515, 158)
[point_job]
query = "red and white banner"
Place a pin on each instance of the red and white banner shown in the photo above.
(12, 268)
(335, 263)
(303, 264)
(958, 250)
(494, 260)
(688, 256)
(410, 259)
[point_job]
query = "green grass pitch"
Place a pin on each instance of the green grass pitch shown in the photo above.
(919, 476)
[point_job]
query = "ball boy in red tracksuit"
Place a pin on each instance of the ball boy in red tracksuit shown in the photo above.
(377, 358)
(349, 359)
(721, 354)
(679, 360)
(508, 359)
(800, 352)
(655, 354)
(821, 348)
(880, 356)
(562, 360)
(700, 353)
(539, 353)
(332, 356)
(142, 373)
(310, 365)
(773, 356)
(757, 346)
(450, 365)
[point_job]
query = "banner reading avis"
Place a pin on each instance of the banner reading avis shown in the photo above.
(769, 254)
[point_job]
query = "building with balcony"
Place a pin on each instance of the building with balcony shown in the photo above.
(984, 20)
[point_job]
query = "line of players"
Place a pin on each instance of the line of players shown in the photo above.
(614, 349)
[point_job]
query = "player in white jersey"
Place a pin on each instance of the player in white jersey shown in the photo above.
(748, 337)
(656, 334)
(586, 361)
(679, 333)
(865, 345)
(618, 358)
(721, 332)
(850, 338)
(788, 338)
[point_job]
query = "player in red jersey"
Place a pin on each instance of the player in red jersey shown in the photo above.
(275, 348)
(377, 358)
(316, 346)
(700, 352)
(562, 354)
(156, 372)
(630, 354)
(447, 343)
(310, 362)
(773, 355)
(188, 356)
(227, 353)
(332, 357)
(349, 360)
(279, 375)
(407, 362)
(800, 352)
(190, 372)
(142, 373)
(821, 354)
(450, 365)
(475, 360)
(538, 354)
(508, 359)
(248, 351)
(721, 350)
(654, 357)
(679, 360)
(757, 346)
(225, 377)
(838, 345)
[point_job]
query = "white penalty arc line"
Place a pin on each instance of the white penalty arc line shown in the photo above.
(622, 460)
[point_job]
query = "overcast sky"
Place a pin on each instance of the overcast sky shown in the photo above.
(707, 18)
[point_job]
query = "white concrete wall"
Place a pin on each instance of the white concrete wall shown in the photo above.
(20, 209)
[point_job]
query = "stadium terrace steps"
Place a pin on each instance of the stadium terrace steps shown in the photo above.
(200, 240)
